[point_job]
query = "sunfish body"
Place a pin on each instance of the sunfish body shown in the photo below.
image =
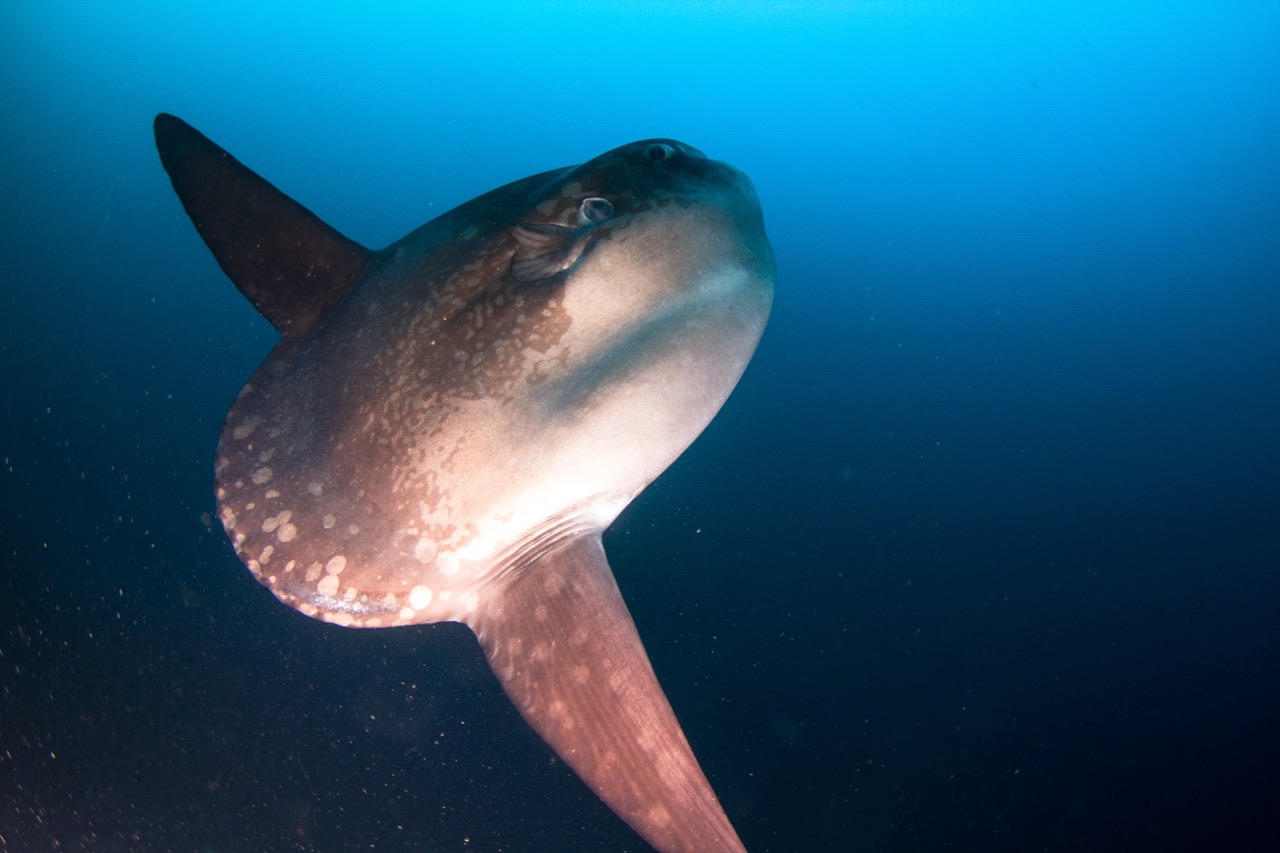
(447, 425)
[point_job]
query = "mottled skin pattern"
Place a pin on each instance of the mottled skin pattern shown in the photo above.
(447, 415)
(448, 425)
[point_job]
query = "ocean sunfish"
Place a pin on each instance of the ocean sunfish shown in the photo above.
(447, 425)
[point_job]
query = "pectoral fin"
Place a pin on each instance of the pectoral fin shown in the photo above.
(545, 250)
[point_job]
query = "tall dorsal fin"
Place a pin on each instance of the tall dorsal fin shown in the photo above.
(293, 267)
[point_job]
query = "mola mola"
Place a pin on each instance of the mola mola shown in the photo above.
(447, 426)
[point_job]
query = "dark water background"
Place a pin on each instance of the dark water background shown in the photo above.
(982, 554)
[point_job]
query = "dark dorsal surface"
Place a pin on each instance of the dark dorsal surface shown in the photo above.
(448, 424)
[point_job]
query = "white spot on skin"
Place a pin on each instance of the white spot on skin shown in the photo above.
(270, 525)
(287, 532)
(328, 585)
(424, 551)
(272, 494)
(581, 675)
(469, 601)
(246, 428)
(329, 521)
(316, 489)
(407, 614)
(336, 565)
(350, 593)
(262, 475)
(448, 563)
(420, 597)
(313, 571)
(540, 613)
(659, 817)
(265, 556)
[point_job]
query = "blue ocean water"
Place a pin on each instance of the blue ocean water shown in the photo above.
(980, 555)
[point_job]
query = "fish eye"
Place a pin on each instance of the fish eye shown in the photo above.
(594, 209)
(659, 151)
